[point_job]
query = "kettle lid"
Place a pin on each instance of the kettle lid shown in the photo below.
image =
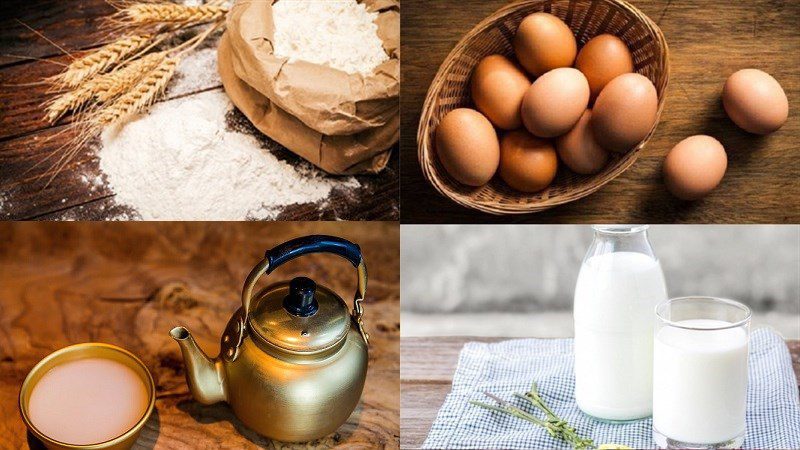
(299, 316)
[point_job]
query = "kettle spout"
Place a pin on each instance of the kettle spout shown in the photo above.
(204, 375)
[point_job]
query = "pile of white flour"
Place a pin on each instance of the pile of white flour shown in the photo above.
(179, 162)
(197, 71)
(338, 33)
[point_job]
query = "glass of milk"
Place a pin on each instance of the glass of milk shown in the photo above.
(700, 373)
(619, 285)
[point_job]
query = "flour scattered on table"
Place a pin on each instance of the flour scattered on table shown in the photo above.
(197, 71)
(338, 33)
(93, 183)
(180, 162)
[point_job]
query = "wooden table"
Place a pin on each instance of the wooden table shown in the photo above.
(25, 139)
(708, 40)
(65, 283)
(427, 374)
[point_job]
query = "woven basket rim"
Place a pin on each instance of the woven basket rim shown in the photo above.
(444, 185)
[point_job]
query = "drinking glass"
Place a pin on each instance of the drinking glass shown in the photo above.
(700, 373)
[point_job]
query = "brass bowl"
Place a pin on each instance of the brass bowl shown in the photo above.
(81, 351)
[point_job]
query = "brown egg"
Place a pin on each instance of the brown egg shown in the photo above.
(497, 88)
(755, 101)
(602, 59)
(579, 150)
(544, 42)
(527, 163)
(694, 167)
(624, 112)
(467, 146)
(555, 102)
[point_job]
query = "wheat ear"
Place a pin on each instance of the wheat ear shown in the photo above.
(102, 88)
(124, 78)
(70, 101)
(169, 13)
(99, 61)
(142, 95)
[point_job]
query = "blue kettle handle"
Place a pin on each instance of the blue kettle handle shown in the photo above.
(313, 244)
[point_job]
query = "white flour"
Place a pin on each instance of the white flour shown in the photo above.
(196, 71)
(180, 163)
(338, 33)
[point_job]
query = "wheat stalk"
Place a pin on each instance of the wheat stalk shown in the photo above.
(71, 101)
(102, 88)
(112, 86)
(99, 61)
(137, 80)
(139, 97)
(142, 95)
(169, 13)
(147, 90)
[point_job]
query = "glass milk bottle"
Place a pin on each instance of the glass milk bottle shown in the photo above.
(619, 285)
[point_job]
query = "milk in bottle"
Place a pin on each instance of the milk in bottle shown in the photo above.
(619, 285)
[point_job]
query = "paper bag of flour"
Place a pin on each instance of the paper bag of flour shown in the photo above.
(343, 123)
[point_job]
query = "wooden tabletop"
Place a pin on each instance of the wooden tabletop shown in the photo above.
(427, 374)
(65, 283)
(708, 40)
(26, 139)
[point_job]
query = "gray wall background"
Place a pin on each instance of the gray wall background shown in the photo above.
(533, 268)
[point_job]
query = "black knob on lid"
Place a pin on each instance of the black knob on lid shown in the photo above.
(301, 301)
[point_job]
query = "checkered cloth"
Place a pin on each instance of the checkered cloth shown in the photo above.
(773, 408)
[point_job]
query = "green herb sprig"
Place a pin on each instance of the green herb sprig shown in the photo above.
(555, 426)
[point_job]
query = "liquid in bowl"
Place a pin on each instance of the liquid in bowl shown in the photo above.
(87, 396)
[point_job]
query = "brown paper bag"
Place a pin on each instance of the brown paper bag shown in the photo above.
(343, 123)
(365, 152)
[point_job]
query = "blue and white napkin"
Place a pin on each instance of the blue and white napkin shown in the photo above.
(773, 407)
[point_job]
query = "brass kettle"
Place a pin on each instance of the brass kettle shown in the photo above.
(292, 360)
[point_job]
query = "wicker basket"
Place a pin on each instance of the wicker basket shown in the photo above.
(450, 90)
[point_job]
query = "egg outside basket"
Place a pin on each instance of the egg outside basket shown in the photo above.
(450, 90)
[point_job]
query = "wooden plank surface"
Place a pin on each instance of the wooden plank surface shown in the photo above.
(708, 40)
(65, 283)
(56, 19)
(25, 139)
(426, 375)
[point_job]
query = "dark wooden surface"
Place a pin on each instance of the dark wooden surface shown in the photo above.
(65, 283)
(708, 40)
(25, 139)
(427, 374)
